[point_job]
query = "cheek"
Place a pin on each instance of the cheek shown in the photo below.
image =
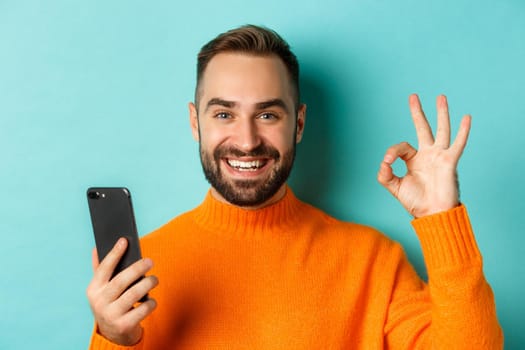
(282, 139)
(211, 137)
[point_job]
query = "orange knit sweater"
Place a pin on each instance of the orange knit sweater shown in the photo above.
(289, 276)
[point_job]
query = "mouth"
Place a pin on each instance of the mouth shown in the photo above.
(250, 166)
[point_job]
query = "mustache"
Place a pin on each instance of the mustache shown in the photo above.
(260, 151)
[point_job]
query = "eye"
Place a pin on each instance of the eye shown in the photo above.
(222, 115)
(267, 116)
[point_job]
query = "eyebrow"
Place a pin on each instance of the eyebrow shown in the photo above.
(219, 102)
(276, 102)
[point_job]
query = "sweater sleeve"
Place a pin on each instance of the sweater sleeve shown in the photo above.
(98, 342)
(456, 310)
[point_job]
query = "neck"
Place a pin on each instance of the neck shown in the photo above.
(224, 218)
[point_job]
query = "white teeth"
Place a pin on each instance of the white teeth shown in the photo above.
(250, 166)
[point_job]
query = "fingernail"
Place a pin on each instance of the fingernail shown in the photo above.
(148, 262)
(121, 242)
(388, 159)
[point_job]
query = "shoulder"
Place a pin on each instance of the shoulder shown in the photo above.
(356, 248)
(334, 229)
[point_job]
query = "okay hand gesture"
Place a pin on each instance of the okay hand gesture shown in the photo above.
(430, 184)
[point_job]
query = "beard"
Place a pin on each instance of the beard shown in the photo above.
(247, 193)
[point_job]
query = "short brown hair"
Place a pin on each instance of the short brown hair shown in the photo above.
(254, 40)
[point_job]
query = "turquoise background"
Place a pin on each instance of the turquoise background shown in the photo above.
(95, 93)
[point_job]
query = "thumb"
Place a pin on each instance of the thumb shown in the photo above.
(386, 176)
(388, 179)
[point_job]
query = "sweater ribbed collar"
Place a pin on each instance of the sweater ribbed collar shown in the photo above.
(223, 217)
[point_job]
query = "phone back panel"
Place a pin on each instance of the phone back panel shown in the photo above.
(112, 217)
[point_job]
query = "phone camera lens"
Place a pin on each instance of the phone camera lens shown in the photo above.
(93, 195)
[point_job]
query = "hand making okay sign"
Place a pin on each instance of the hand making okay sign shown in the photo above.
(430, 184)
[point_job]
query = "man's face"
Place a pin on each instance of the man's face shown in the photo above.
(247, 127)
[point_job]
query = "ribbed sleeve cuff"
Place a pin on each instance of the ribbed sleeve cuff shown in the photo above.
(98, 342)
(447, 239)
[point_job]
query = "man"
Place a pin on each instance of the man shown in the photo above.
(253, 267)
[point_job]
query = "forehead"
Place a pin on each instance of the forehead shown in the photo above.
(246, 79)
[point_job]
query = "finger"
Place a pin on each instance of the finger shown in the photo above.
(461, 138)
(127, 277)
(423, 130)
(105, 269)
(133, 295)
(443, 122)
(139, 313)
(94, 259)
(402, 150)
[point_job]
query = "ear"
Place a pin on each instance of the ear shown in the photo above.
(194, 121)
(301, 119)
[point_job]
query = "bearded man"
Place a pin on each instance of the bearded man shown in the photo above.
(253, 267)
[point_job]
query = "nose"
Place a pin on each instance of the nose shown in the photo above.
(246, 135)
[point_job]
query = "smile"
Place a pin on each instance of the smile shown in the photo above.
(252, 165)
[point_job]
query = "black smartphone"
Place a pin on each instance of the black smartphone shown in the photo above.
(112, 217)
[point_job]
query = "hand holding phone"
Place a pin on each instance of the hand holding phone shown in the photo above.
(118, 283)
